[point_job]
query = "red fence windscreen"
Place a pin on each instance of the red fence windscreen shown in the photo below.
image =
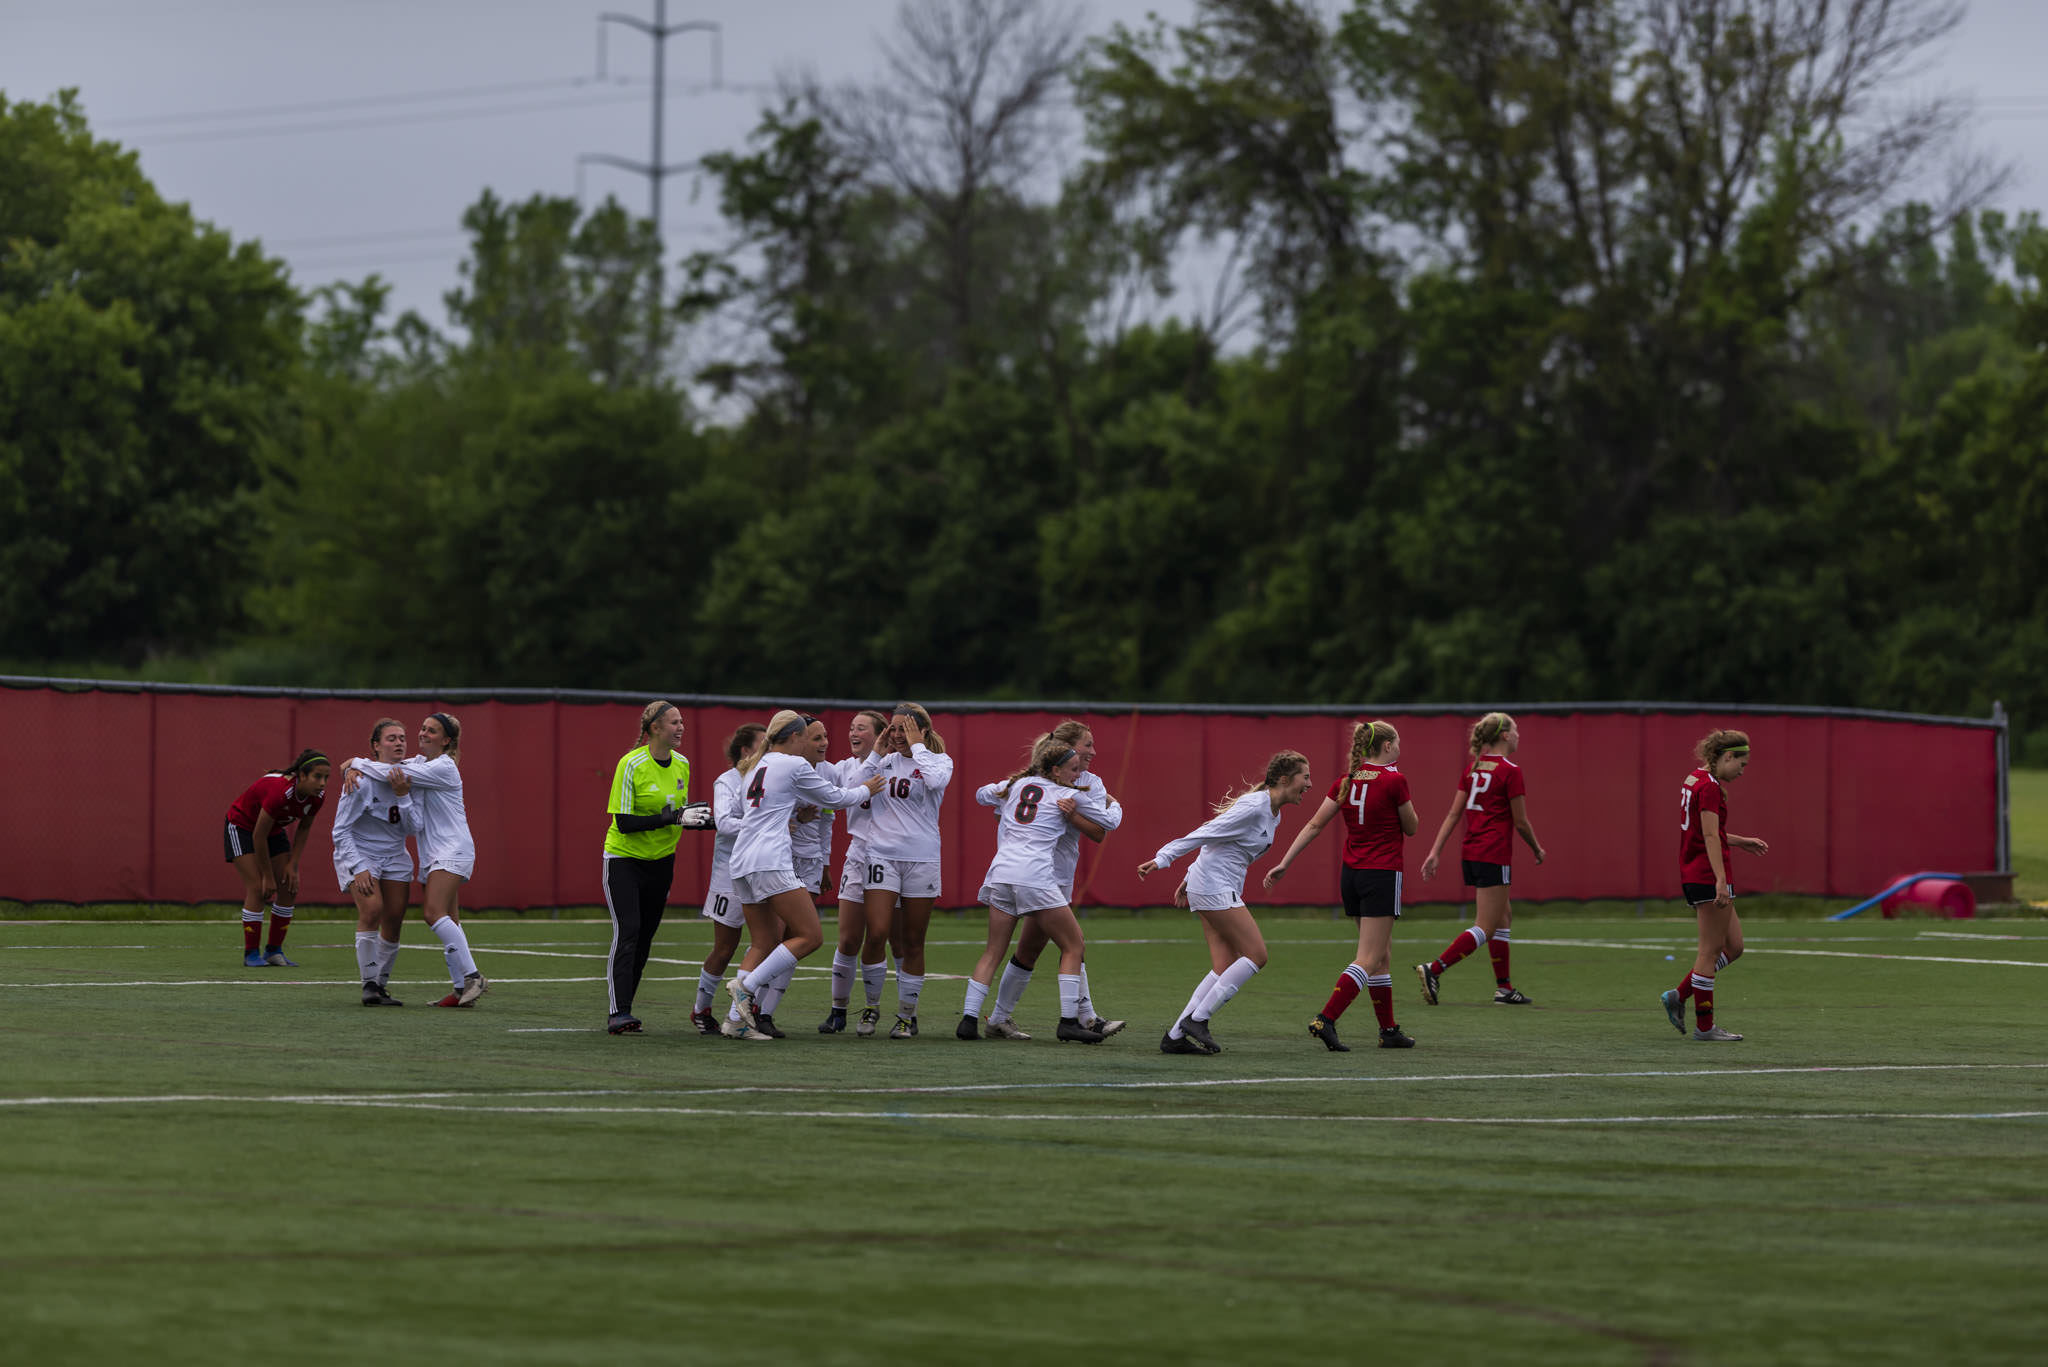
(119, 795)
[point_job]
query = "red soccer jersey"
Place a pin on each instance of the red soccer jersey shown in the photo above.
(1701, 793)
(1371, 802)
(276, 794)
(1491, 782)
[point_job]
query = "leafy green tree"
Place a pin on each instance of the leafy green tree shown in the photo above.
(141, 358)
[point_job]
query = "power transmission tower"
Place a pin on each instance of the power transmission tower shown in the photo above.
(654, 168)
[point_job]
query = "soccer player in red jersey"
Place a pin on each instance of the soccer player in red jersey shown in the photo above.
(267, 859)
(1491, 800)
(1703, 844)
(1378, 817)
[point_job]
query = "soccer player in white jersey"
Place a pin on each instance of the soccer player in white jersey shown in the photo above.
(447, 851)
(1031, 942)
(863, 944)
(903, 845)
(1034, 809)
(1241, 831)
(721, 904)
(372, 863)
(764, 867)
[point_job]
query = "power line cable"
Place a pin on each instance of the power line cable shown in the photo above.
(460, 92)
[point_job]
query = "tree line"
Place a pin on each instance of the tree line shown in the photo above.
(1544, 350)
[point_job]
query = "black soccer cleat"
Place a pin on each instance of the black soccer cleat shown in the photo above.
(1429, 979)
(1198, 1031)
(1392, 1038)
(622, 1024)
(968, 1028)
(1073, 1032)
(1510, 996)
(1169, 1045)
(765, 1023)
(1325, 1030)
(835, 1021)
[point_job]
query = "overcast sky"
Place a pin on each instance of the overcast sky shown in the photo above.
(308, 124)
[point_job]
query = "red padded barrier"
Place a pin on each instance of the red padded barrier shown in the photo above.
(120, 796)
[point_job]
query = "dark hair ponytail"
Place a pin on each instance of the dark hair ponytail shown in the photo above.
(308, 759)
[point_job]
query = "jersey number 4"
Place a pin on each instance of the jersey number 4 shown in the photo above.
(757, 787)
(1358, 791)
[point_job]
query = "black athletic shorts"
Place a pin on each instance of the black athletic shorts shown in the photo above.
(1698, 893)
(1479, 875)
(235, 841)
(1371, 892)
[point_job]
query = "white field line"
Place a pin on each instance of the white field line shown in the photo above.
(1800, 953)
(803, 969)
(989, 1088)
(1203, 1117)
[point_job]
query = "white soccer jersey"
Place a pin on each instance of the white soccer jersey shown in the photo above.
(850, 772)
(444, 823)
(1066, 859)
(774, 789)
(903, 820)
(1229, 842)
(1030, 827)
(370, 827)
(728, 806)
(813, 839)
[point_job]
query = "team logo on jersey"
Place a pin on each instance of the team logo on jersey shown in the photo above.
(1691, 780)
(1486, 765)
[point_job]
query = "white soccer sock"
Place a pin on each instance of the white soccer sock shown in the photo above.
(707, 989)
(1234, 977)
(843, 965)
(977, 993)
(771, 992)
(1087, 1003)
(1070, 996)
(779, 959)
(366, 955)
(908, 986)
(455, 945)
(387, 954)
(1010, 990)
(1201, 992)
(872, 979)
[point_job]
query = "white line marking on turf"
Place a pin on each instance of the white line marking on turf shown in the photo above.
(351, 1098)
(1801, 953)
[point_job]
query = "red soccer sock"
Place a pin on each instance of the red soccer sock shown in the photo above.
(1383, 1003)
(280, 922)
(1702, 1002)
(252, 930)
(1497, 949)
(1685, 985)
(1462, 944)
(1346, 992)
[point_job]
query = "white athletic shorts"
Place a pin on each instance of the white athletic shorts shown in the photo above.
(903, 878)
(395, 868)
(722, 904)
(752, 889)
(853, 874)
(1020, 899)
(1214, 898)
(812, 872)
(461, 868)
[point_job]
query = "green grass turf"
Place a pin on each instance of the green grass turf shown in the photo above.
(293, 1178)
(2029, 789)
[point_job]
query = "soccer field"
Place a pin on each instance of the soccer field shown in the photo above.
(204, 1163)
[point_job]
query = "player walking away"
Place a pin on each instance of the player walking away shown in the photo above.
(1241, 831)
(1491, 800)
(650, 790)
(372, 863)
(778, 907)
(266, 857)
(447, 850)
(1378, 817)
(1033, 809)
(1066, 862)
(863, 944)
(721, 904)
(1703, 844)
(903, 845)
